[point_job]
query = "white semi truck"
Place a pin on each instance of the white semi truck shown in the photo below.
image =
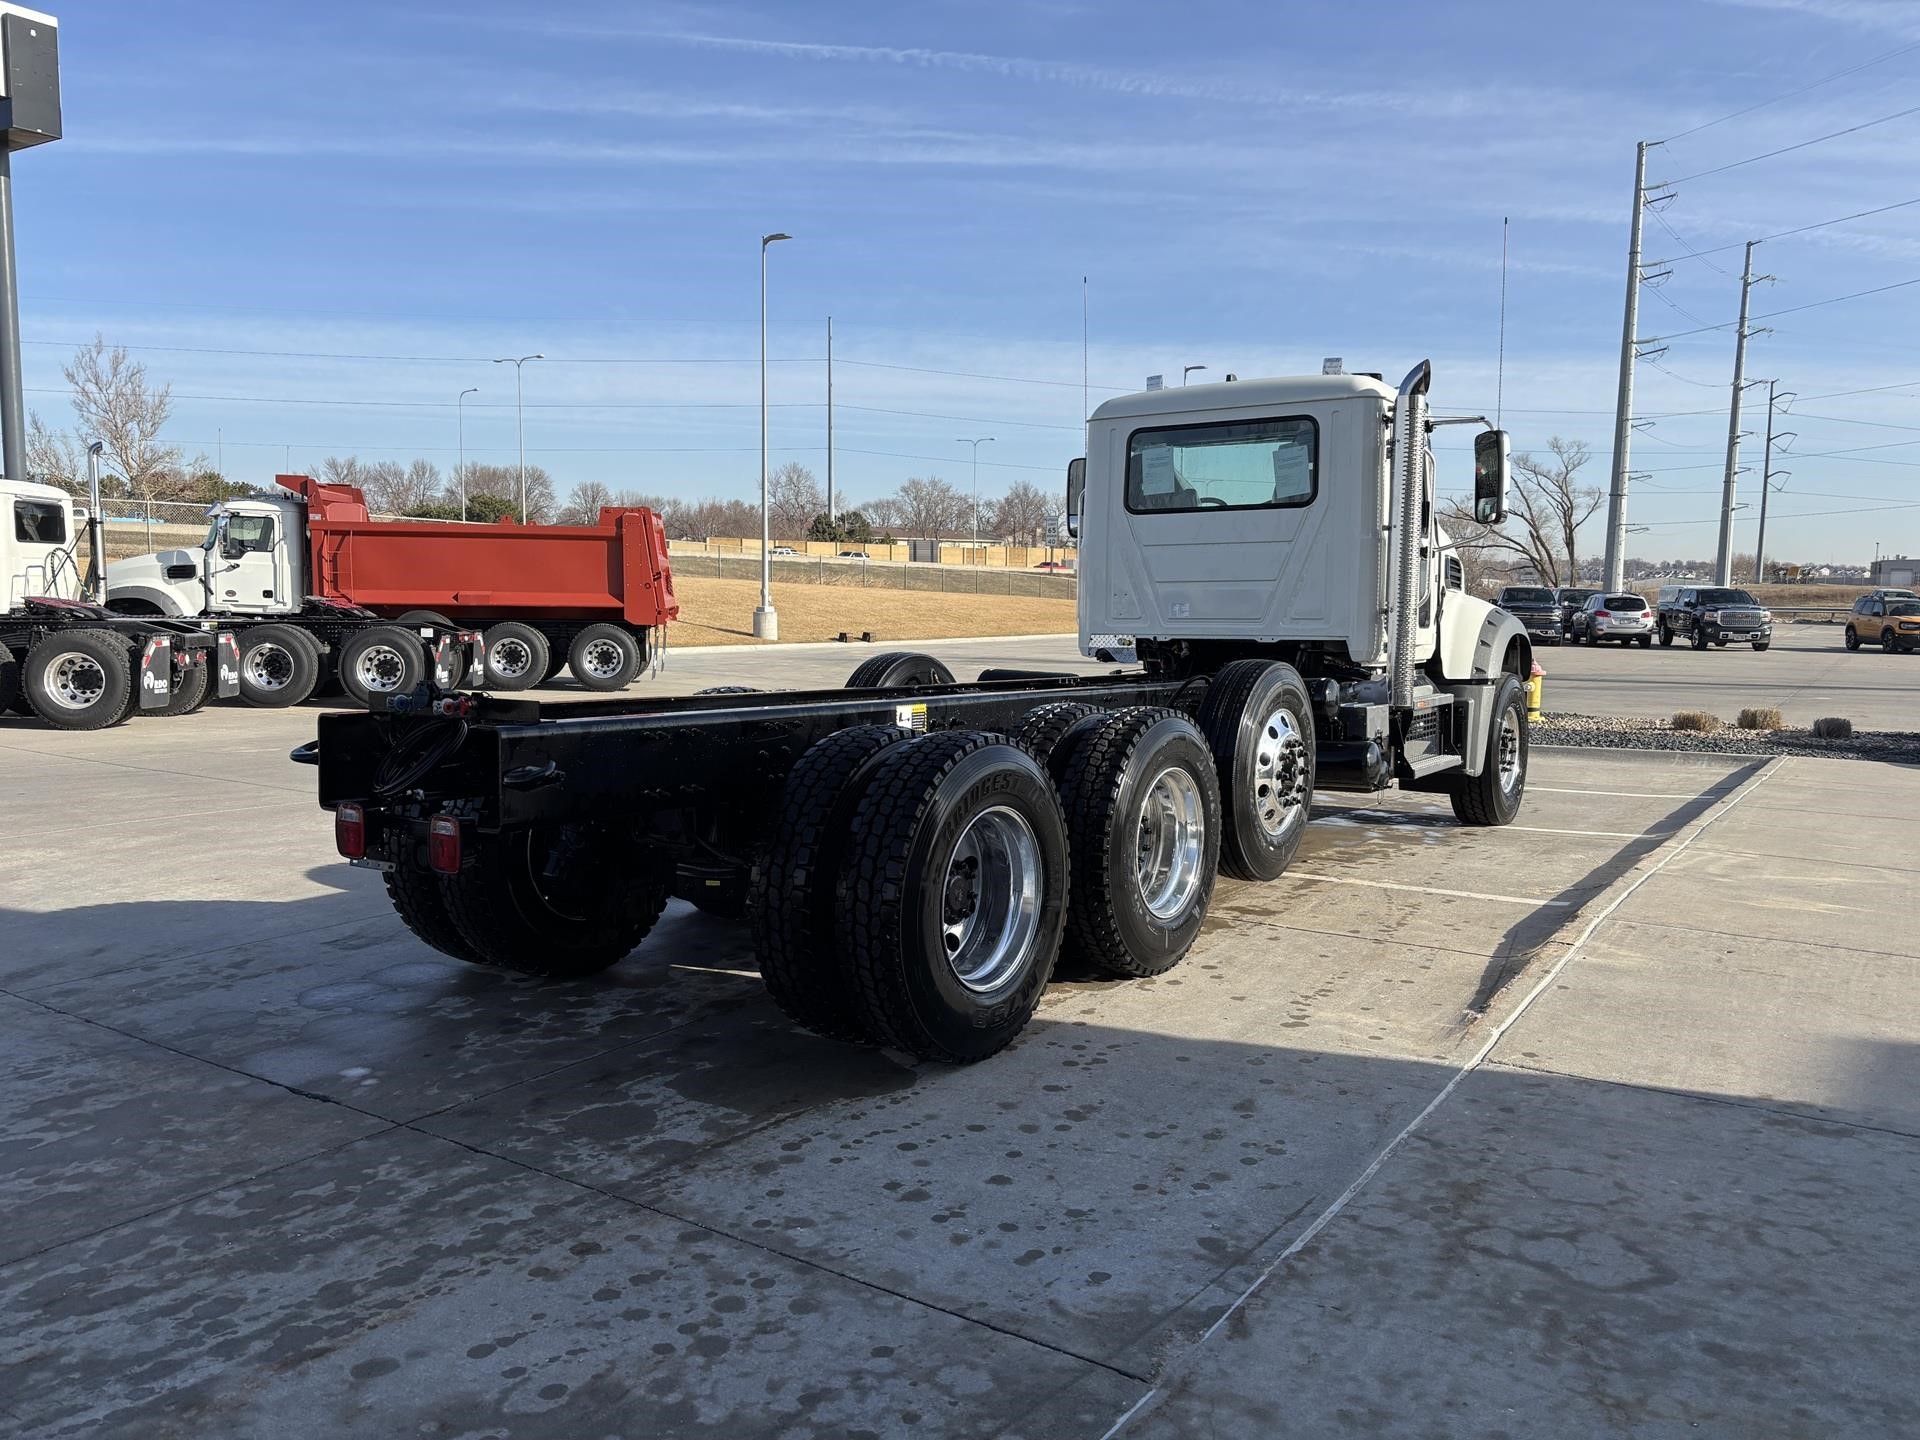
(914, 853)
(68, 660)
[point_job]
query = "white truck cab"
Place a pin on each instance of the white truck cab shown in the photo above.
(39, 542)
(245, 566)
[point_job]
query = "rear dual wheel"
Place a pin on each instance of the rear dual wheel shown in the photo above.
(81, 679)
(279, 666)
(1258, 722)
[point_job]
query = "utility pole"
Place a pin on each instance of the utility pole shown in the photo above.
(29, 115)
(833, 515)
(1616, 558)
(1723, 560)
(1767, 472)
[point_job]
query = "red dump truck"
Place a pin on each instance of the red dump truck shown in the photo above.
(336, 595)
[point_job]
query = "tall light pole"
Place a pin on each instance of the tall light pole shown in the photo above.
(520, 423)
(976, 444)
(1186, 370)
(460, 422)
(766, 623)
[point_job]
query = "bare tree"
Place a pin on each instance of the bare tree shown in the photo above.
(1022, 512)
(1549, 507)
(930, 506)
(115, 404)
(584, 503)
(52, 459)
(394, 490)
(503, 483)
(884, 512)
(793, 499)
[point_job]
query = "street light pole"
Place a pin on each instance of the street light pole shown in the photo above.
(1187, 370)
(766, 622)
(976, 444)
(520, 423)
(460, 422)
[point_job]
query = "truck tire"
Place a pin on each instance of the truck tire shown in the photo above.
(517, 656)
(419, 901)
(1666, 633)
(953, 895)
(380, 660)
(1258, 720)
(1143, 822)
(791, 896)
(1044, 729)
(556, 901)
(1493, 796)
(604, 657)
(190, 695)
(896, 668)
(80, 680)
(279, 666)
(9, 679)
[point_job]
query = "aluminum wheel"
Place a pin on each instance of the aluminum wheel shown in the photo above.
(1509, 752)
(381, 669)
(990, 899)
(1172, 843)
(510, 658)
(602, 659)
(1280, 773)
(269, 667)
(75, 680)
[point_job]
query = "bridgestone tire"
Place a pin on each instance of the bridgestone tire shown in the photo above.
(1143, 822)
(1258, 720)
(517, 656)
(898, 668)
(931, 820)
(1482, 799)
(605, 896)
(420, 901)
(9, 679)
(1042, 731)
(387, 654)
(279, 666)
(791, 897)
(80, 680)
(604, 657)
(191, 693)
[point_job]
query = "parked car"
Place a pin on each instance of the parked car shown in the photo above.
(1621, 616)
(1572, 598)
(783, 550)
(1887, 593)
(853, 554)
(1892, 624)
(1712, 615)
(1053, 565)
(1537, 607)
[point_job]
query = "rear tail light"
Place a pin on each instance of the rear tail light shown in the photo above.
(1646, 614)
(443, 844)
(1603, 614)
(350, 831)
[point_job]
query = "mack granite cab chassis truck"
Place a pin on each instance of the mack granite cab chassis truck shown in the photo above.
(68, 660)
(912, 852)
(320, 591)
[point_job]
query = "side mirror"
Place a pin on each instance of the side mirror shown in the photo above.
(1490, 472)
(1076, 492)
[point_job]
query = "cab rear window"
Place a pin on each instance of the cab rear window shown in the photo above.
(1231, 465)
(39, 522)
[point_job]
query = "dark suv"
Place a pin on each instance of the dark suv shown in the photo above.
(1713, 615)
(1537, 608)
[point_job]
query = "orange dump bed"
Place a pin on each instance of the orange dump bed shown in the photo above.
(616, 569)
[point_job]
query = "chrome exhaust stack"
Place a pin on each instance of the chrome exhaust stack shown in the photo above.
(96, 527)
(1409, 460)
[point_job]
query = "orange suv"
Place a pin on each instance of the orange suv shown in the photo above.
(1890, 622)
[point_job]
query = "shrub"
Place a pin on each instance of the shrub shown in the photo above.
(1766, 719)
(1833, 727)
(1698, 720)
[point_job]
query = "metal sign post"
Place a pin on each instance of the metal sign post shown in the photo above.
(29, 115)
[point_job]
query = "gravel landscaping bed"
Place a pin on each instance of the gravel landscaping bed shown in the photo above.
(1623, 734)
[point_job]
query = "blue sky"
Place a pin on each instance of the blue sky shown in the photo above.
(1248, 186)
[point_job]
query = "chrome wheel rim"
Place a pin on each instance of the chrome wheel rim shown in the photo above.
(1172, 843)
(1508, 742)
(269, 666)
(1279, 772)
(75, 680)
(380, 669)
(990, 900)
(510, 658)
(603, 659)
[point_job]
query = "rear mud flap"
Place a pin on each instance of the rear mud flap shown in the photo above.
(226, 659)
(156, 672)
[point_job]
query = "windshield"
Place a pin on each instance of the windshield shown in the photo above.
(1577, 597)
(1726, 597)
(1526, 595)
(1904, 607)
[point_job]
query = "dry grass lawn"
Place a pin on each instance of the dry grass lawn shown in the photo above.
(720, 612)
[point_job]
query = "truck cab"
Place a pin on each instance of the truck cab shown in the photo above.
(38, 542)
(252, 562)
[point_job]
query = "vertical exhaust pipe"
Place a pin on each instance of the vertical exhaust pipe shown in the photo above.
(1409, 460)
(96, 527)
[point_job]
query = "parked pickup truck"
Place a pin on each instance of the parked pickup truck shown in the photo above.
(1712, 615)
(1537, 607)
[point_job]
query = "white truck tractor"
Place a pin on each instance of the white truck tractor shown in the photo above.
(65, 658)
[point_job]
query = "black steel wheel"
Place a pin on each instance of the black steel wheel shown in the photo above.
(279, 666)
(953, 894)
(1493, 796)
(80, 679)
(1258, 720)
(605, 657)
(380, 660)
(1143, 824)
(895, 668)
(558, 901)
(791, 896)
(517, 656)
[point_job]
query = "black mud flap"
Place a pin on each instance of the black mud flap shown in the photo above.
(226, 662)
(156, 672)
(446, 657)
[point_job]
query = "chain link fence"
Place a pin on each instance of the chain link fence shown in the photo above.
(868, 574)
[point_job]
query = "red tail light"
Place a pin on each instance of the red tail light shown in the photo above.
(1603, 614)
(1646, 614)
(443, 844)
(350, 831)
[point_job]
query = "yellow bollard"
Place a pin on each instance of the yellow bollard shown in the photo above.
(1536, 690)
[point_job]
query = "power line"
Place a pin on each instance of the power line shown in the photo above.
(1693, 254)
(1813, 85)
(1790, 310)
(1789, 149)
